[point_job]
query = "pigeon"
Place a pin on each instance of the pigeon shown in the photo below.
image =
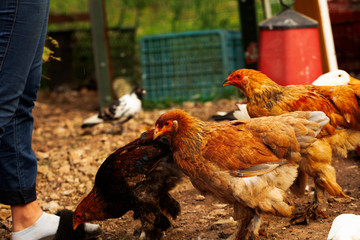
(123, 109)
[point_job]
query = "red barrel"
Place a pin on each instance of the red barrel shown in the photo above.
(289, 48)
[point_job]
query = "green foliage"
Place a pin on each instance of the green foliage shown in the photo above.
(188, 15)
(68, 6)
(48, 53)
(157, 17)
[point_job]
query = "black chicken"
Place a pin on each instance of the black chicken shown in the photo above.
(137, 177)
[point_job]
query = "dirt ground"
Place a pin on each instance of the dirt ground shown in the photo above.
(70, 156)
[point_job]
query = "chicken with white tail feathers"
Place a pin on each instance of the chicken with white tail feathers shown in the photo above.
(121, 110)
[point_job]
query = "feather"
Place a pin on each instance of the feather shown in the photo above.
(259, 169)
(242, 113)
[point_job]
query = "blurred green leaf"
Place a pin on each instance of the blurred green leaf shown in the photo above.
(48, 53)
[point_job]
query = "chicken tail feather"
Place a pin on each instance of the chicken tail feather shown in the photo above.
(332, 187)
(320, 118)
(344, 141)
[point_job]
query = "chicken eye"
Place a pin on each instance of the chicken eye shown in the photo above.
(238, 76)
(167, 124)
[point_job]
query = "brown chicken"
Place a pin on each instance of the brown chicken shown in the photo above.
(249, 164)
(137, 177)
(340, 103)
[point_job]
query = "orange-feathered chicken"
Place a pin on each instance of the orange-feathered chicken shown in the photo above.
(340, 103)
(137, 177)
(249, 164)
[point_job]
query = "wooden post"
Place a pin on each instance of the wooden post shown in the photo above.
(101, 51)
(249, 28)
(267, 8)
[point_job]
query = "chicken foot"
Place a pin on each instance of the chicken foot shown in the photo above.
(314, 210)
(249, 222)
(153, 221)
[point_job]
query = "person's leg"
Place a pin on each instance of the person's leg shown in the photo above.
(24, 216)
(23, 30)
(27, 214)
(22, 34)
(19, 81)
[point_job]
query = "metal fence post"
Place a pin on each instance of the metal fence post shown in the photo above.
(101, 51)
(249, 28)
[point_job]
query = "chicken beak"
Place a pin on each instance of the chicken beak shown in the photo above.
(75, 225)
(225, 83)
(157, 133)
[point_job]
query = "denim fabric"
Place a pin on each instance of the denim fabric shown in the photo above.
(23, 25)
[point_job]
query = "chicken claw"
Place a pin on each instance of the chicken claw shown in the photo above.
(312, 212)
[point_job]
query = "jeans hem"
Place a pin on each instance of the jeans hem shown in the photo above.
(17, 197)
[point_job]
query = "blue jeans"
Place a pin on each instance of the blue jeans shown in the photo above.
(23, 26)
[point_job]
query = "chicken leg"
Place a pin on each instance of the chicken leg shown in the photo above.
(317, 164)
(249, 222)
(153, 222)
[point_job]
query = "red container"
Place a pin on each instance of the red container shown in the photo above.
(289, 49)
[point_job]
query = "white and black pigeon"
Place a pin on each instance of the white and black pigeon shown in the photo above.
(122, 110)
